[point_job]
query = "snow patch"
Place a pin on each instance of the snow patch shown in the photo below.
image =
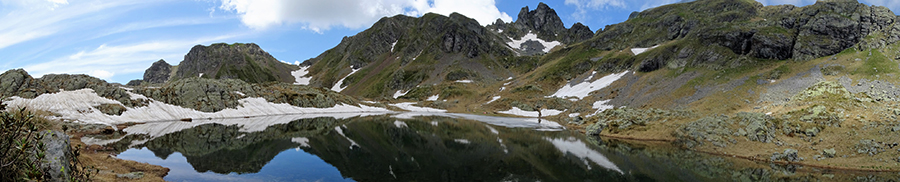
(495, 98)
(435, 123)
(341, 132)
(303, 141)
(584, 89)
(519, 112)
(462, 141)
(337, 86)
(400, 93)
(637, 51)
(574, 114)
(517, 43)
(78, 106)
(240, 93)
(409, 107)
(400, 124)
(493, 130)
(300, 77)
(601, 106)
(581, 150)
(432, 98)
(463, 81)
(394, 44)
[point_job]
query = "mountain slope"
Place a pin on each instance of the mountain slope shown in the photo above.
(401, 52)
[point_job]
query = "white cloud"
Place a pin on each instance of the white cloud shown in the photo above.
(323, 15)
(653, 4)
(102, 74)
(120, 58)
(583, 6)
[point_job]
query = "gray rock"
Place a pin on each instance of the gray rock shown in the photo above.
(830, 153)
(131, 175)
(158, 72)
(56, 159)
(869, 147)
(789, 155)
(595, 129)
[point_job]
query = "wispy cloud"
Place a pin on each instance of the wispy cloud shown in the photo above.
(583, 6)
(30, 20)
(106, 61)
(322, 15)
(137, 26)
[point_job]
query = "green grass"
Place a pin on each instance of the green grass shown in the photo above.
(878, 64)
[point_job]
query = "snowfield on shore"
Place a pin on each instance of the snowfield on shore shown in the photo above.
(79, 105)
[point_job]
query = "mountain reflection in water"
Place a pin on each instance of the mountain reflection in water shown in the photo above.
(410, 147)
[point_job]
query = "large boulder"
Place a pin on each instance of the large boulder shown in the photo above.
(56, 155)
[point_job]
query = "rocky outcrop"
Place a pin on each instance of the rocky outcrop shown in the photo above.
(543, 20)
(159, 72)
(20, 83)
(246, 62)
(212, 95)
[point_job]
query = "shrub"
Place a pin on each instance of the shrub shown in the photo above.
(18, 140)
(22, 149)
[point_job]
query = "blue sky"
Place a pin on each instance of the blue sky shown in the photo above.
(117, 40)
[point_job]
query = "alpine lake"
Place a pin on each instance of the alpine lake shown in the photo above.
(425, 147)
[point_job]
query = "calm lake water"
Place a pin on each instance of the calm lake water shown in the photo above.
(417, 147)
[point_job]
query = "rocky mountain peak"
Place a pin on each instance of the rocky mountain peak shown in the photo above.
(246, 62)
(543, 20)
(158, 72)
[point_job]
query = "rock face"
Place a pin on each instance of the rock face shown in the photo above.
(159, 72)
(545, 23)
(246, 62)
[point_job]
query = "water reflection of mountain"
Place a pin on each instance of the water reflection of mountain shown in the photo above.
(379, 148)
(451, 150)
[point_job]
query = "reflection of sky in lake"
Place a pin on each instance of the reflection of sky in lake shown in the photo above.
(284, 167)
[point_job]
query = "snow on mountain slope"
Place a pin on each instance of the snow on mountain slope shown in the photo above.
(517, 43)
(584, 89)
(337, 86)
(299, 78)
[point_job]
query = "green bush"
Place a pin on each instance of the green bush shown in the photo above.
(21, 149)
(18, 141)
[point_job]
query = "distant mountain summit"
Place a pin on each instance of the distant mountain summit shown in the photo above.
(246, 62)
(544, 25)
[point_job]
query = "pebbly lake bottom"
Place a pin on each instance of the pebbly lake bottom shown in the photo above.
(425, 147)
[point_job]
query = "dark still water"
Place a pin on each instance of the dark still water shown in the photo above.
(412, 147)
